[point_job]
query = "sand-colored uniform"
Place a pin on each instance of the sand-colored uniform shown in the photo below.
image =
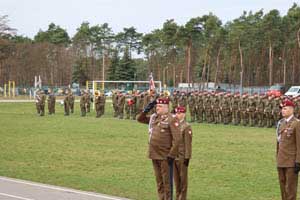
(180, 166)
(287, 154)
(51, 103)
(164, 138)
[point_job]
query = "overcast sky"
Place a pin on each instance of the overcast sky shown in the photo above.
(29, 16)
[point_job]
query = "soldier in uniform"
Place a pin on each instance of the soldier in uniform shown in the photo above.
(235, 110)
(251, 110)
(208, 108)
(82, 103)
(164, 138)
(115, 103)
(174, 100)
(88, 101)
(225, 108)
(297, 106)
(128, 105)
(243, 110)
(268, 112)
(37, 101)
(51, 102)
(260, 107)
(216, 107)
(121, 103)
(288, 151)
(67, 103)
(184, 156)
(102, 103)
(182, 101)
(41, 103)
(192, 106)
(72, 101)
(276, 110)
(200, 107)
(97, 104)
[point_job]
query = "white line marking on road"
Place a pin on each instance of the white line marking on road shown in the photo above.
(57, 188)
(13, 196)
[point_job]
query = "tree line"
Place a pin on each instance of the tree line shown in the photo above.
(255, 49)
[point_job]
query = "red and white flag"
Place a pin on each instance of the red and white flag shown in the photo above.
(151, 82)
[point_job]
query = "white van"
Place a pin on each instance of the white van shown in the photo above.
(294, 91)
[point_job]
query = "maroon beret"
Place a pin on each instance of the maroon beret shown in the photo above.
(287, 102)
(180, 109)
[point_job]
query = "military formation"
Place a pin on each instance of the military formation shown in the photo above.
(68, 102)
(257, 110)
(226, 108)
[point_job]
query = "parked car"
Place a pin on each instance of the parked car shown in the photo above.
(276, 90)
(108, 94)
(294, 91)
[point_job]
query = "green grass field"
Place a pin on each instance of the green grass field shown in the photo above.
(109, 156)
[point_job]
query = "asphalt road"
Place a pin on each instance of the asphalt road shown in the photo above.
(14, 189)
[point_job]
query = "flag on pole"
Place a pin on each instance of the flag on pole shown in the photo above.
(151, 82)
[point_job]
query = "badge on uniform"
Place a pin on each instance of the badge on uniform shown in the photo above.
(190, 132)
(176, 124)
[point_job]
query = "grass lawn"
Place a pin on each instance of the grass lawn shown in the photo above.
(109, 156)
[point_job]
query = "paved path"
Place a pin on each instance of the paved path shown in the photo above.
(14, 189)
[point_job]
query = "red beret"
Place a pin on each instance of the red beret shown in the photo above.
(162, 101)
(288, 102)
(180, 109)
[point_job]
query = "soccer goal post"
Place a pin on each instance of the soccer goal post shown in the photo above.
(123, 85)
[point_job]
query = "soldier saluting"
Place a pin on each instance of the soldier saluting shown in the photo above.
(164, 138)
(288, 151)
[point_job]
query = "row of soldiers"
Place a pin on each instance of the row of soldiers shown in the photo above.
(132, 103)
(68, 102)
(226, 108)
(248, 110)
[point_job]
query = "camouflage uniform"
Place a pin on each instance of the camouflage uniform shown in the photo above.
(200, 108)
(268, 113)
(83, 100)
(72, 101)
(260, 106)
(67, 104)
(243, 110)
(235, 110)
(216, 108)
(51, 103)
(276, 111)
(251, 110)
(121, 103)
(115, 103)
(225, 107)
(208, 109)
(192, 106)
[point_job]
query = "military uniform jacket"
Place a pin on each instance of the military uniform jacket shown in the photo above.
(71, 98)
(97, 100)
(83, 100)
(164, 135)
(67, 99)
(51, 98)
(121, 101)
(288, 142)
(102, 100)
(185, 145)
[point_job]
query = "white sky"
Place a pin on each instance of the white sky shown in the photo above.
(29, 16)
